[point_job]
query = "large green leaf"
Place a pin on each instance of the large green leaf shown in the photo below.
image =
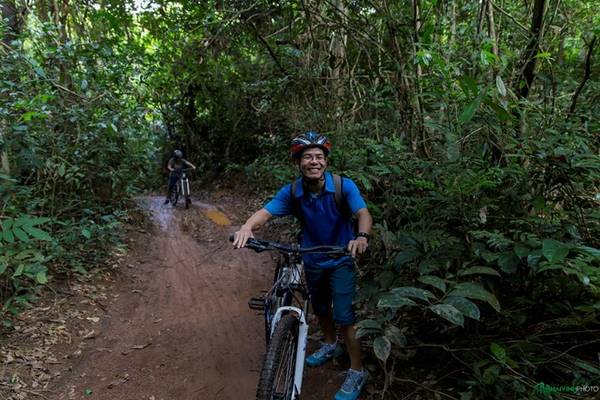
(449, 312)
(395, 335)
(417, 293)
(7, 224)
(394, 300)
(465, 306)
(475, 291)
(434, 281)
(19, 271)
(41, 277)
(590, 251)
(498, 351)
(37, 233)
(479, 270)
(508, 262)
(404, 257)
(368, 327)
(521, 251)
(20, 234)
(554, 251)
(469, 110)
(533, 259)
(9, 236)
(369, 324)
(382, 348)
(500, 86)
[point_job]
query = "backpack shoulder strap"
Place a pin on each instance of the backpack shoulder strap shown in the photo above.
(295, 202)
(340, 199)
(339, 194)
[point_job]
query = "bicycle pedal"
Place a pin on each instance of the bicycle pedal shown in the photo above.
(257, 303)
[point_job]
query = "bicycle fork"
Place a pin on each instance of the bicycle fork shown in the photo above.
(301, 349)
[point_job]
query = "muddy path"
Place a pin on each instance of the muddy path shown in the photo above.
(176, 325)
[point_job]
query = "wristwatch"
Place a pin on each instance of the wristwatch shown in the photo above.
(363, 234)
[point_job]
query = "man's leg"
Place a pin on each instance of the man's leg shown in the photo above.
(327, 326)
(353, 347)
(343, 287)
(318, 284)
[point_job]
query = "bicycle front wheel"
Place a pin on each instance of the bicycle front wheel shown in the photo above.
(278, 370)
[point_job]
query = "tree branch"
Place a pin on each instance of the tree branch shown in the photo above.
(586, 75)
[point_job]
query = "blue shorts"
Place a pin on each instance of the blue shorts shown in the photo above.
(335, 286)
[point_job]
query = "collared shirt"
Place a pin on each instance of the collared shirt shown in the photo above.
(323, 222)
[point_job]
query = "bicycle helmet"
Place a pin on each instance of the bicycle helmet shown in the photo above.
(307, 140)
(177, 154)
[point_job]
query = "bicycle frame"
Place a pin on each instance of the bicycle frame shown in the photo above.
(279, 300)
(184, 184)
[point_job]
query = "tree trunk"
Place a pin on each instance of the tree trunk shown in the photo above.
(14, 22)
(337, 51)
(529, 61)
(492, 29)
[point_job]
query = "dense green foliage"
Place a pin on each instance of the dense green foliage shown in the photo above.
(471, 127)
(75, 144)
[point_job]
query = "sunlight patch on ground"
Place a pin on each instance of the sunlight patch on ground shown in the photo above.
(217, 217)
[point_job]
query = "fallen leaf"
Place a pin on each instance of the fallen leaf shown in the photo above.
(141, 346)
(90, 335)
(119, 381)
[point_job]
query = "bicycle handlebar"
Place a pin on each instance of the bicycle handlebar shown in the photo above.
(265, 245)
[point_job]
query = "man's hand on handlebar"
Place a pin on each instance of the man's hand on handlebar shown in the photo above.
(240, 238)
(358, 246)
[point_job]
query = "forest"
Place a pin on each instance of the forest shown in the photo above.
(470, 126)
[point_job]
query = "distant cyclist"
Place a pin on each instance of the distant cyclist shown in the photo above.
(330, 281)
(175, 165)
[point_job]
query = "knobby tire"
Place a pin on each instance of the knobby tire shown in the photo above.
(277, 374)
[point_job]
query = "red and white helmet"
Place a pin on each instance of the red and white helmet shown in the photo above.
(307, 140)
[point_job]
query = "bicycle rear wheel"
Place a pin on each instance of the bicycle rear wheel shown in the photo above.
(277, 374)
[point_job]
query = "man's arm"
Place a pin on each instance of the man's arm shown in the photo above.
(170, 165)
(257, 219)
(365, 223)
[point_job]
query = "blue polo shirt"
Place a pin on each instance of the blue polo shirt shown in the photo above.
(323, 223)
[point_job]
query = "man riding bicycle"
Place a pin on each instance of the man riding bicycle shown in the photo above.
(175, 165)
(330, 281)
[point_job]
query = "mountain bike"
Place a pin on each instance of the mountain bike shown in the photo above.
(182, 188)
(285, 308)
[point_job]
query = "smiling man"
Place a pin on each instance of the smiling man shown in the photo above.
(332, 282)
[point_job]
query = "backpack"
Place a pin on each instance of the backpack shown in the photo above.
(341, 202)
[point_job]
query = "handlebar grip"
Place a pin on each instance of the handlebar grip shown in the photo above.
(231, 237)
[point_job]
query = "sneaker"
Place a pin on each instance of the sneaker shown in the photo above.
(326, 352)
(353, 385)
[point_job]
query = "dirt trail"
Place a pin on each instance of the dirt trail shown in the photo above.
(179, 327)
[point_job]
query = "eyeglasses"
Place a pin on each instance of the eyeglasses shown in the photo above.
(310, 157)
